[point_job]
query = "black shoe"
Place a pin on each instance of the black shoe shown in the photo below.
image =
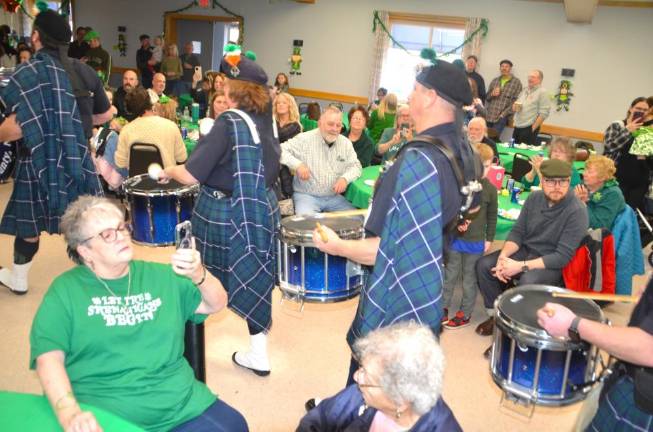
(310, 404)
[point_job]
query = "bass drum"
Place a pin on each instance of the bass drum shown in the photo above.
(7, 160)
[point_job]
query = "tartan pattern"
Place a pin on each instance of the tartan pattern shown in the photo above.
(58, 168)
(406, 283)
(618, 413)
(236, 237)
(615, 139)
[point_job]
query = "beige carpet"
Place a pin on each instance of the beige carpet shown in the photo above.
(309, 355)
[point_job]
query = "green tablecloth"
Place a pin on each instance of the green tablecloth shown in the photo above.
(190, 143)
(30, 412)
(359, 192)
(506, 155)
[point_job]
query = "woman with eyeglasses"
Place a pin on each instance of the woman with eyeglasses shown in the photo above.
(363, 144)
(110, 331)
(633, 172)
(561, 148)
(398, 386)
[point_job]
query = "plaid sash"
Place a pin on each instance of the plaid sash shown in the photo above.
(251, 249)
(406, 283)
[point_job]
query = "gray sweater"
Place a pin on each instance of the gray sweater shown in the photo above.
(552, 233)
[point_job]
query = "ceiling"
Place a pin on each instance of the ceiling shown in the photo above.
(583, 11)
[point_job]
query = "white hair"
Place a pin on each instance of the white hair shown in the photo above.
(412, 363)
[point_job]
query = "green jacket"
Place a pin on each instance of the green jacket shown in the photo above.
(604, 205)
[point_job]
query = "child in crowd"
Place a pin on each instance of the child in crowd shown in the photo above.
(157, 52)
(473, 239)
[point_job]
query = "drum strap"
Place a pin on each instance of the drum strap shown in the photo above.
(250, 124)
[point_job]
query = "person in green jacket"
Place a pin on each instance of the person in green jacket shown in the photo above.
(561, 148)
(600, 192)
(383, 117)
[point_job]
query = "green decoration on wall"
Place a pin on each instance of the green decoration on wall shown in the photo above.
(215, 3)
(563, 97)
(429, 53)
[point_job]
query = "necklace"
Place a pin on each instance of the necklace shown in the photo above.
(129, 284)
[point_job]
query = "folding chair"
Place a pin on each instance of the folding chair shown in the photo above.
(141, 155)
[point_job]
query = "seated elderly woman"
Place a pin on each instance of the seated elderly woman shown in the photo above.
(561, 148)
(393, 139)
(600, 192)
(398, 386)
(149, 128)
(110, 331)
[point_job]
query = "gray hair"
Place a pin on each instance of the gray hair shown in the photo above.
(480, 120)
(74, 222)
(412, 363)
(331, 109)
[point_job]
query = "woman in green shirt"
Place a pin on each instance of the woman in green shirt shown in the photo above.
(363, 145)
(383, 117)
(172, 69)
(394, 138)
(110, 331)
(600, 192)
(561, 148)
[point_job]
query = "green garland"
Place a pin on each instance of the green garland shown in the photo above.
(483, 27)
(215, 3)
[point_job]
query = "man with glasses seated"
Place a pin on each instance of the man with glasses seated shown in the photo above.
(543, 240)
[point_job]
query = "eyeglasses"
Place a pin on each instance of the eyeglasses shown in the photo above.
(110, 235)
(556, 181)
(362, 377)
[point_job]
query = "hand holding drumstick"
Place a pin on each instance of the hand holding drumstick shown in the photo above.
(555, 319)
(326, 239)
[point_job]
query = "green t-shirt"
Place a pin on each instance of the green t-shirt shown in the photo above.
(503, 81)
(377, 125)
(125, 354)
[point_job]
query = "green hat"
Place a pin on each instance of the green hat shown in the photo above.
(91, 35)
(554, 168)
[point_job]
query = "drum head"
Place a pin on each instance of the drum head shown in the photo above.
(147, 186)
(299, 229)
(520, 304)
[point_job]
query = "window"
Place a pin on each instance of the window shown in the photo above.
(416, 32)
(231, 33)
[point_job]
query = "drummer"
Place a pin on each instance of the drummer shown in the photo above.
(626, 402)
(229, 162)
(543, 240)
(415, 199)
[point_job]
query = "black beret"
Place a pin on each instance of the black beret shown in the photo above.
(245, 70)
(53, 26)
(555, 168)
(505, 61)
(449, 81)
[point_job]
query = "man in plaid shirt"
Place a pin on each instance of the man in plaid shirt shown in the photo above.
(415, 198)
(501, 94)
(51, 104)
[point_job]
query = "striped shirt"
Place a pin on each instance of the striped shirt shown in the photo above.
(535, 102)
(326, 163)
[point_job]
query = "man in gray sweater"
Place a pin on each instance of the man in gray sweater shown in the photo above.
(545, 237)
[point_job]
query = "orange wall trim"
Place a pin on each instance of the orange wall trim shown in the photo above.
(335, 97)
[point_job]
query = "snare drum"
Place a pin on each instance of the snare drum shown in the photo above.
(306, 273)
(529, 364)
(157, 208)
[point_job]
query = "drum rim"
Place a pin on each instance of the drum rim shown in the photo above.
(537, 337)
(131, 190)
(299, 237)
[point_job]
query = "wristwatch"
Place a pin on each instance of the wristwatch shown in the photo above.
(524, 267)
(574, 336)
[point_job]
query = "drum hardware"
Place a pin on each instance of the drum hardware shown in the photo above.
(529, 365)
(151, 218)
(598, 296)
(308, 275)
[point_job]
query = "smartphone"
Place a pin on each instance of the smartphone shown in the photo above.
(638, 115)
(184, 236)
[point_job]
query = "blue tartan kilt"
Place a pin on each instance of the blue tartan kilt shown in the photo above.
(618, 413)
(27, 213)
(212, 230)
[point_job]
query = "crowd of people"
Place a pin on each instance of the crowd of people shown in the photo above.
(432, 220)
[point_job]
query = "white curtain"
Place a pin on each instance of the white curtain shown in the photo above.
(381, 44)
(474, 45)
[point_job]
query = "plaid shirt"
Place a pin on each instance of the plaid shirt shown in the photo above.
(501, 106)
(54, 167)
(406, 283)
(617, 140)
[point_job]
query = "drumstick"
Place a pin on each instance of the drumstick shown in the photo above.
(320, 230)
(346, 213)
(597, 296)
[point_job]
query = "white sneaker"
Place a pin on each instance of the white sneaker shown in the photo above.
(15, 280)
(248, 360)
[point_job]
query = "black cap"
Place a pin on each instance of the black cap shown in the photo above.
(245, 70)
(53, 26)
(505, 61)
(448, 81)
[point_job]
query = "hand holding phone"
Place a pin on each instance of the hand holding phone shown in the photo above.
(184, 236)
